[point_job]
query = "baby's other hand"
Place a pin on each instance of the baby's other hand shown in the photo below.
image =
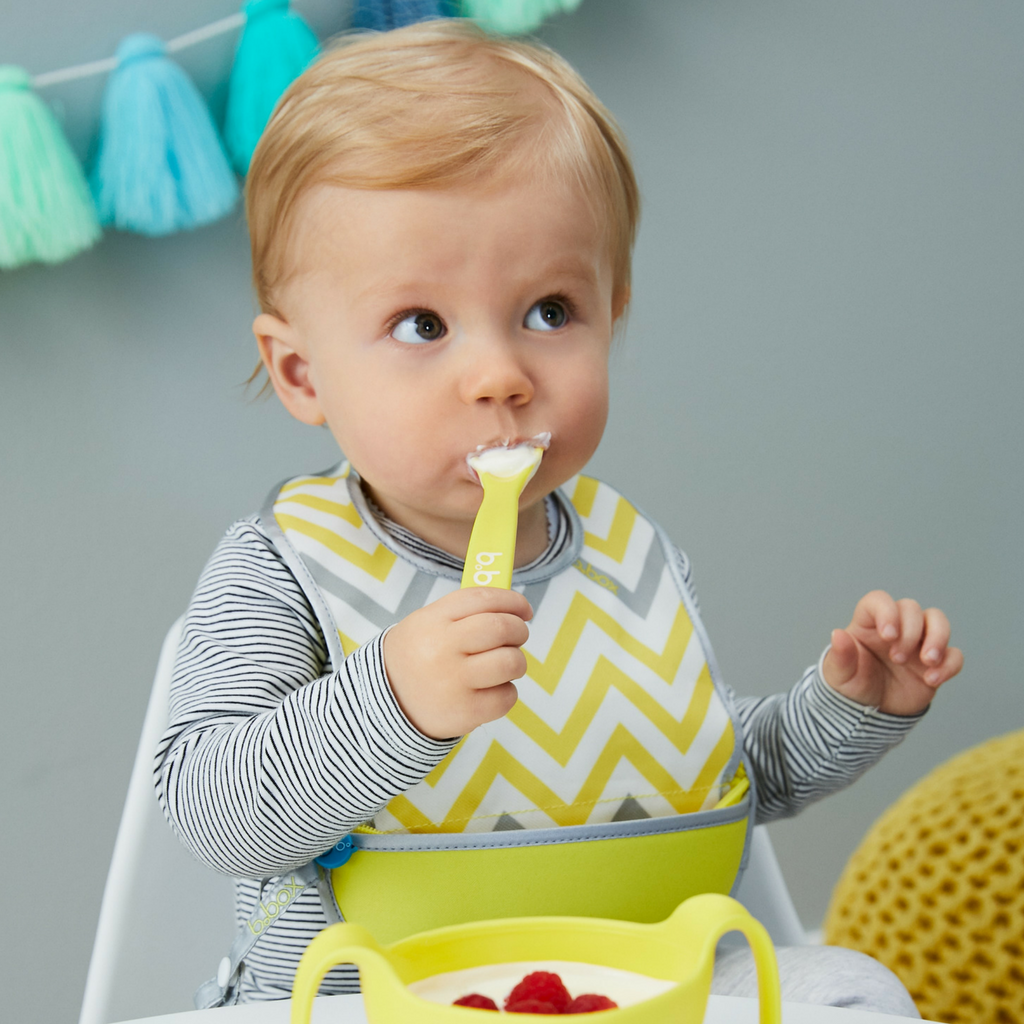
(451, 663)
(892, 655)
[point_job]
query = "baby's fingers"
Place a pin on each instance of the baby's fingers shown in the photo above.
(479, 600)
(877, 612)
(911, 627)
(494, 702)
(936, 637)
(488, 630)
(952, 662)
(494, 667)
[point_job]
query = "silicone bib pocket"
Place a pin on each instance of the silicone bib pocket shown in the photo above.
(398, 885)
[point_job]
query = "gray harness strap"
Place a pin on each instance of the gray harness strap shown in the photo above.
(282, 891)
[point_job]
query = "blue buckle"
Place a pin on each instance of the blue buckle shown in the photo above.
(337, 855)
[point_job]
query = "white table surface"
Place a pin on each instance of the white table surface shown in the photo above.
(349, 1010)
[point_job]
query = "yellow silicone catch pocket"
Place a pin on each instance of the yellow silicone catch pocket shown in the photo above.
(635, 878)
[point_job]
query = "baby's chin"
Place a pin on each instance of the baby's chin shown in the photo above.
(457, 503)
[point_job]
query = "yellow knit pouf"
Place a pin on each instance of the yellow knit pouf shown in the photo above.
(936, 889)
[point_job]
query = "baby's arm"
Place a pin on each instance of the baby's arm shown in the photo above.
(268, 761)
(809, 741)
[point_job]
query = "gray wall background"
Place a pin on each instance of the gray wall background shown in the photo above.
(817, 394)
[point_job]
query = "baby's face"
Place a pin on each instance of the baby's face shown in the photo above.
(427, 323)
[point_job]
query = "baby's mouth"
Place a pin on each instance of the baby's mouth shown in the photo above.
(503, 457)
(541, 440)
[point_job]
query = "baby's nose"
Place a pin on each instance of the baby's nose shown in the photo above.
(494, 372)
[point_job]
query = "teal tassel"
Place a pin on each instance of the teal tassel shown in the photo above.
(161, 166)
(514, 17)
(46, 212)
(275, 48)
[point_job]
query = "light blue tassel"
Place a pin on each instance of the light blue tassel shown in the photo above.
(514, 17)
(275, 48)
(46, 212)
(382, 15)
(161, 166)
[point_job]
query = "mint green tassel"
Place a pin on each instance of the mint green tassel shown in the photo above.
(275, 48)
(514, 17)
(46, 212)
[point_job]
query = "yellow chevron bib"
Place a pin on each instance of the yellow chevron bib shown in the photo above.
(620, 716)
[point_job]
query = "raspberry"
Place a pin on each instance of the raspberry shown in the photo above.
(542, 986)
(589, 1003)
(531, 1006)
(477, 1001)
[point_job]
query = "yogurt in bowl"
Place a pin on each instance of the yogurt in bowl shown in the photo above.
(496, 981)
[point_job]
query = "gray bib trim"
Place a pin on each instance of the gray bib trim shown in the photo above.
(405, 842)
(292, 559)
(275, 897)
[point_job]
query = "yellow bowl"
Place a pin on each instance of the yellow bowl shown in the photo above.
(680, 949)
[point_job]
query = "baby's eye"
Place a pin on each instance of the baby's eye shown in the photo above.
(417, 328)
(547, 315)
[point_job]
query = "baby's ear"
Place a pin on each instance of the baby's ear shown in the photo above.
(287, 362)
(620, 300)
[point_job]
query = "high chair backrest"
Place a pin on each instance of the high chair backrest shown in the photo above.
(762, 890)
(166, 920)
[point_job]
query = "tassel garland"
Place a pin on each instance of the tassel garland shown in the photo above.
(46, 212)
(161, 166)
(514, 17)
(275, 48)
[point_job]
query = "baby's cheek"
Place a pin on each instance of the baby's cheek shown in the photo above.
(573, 445)
(588, 414)
(397, 443)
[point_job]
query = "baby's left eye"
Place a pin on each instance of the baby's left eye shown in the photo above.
(418, 328)
(547, 315)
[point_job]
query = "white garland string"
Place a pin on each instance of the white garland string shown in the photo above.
(99, 67)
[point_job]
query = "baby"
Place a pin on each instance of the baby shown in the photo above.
(442, 225)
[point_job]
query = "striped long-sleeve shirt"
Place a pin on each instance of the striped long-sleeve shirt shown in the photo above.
(270, 757)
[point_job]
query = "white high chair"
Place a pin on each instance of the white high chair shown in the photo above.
(166, 920)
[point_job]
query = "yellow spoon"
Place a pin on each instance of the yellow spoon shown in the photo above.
(503, 473)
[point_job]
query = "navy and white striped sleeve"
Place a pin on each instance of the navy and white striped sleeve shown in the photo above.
(268, 760)
(812, 741)
(809, 741)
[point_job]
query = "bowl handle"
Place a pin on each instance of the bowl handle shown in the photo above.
(701, 921)
(338, 944)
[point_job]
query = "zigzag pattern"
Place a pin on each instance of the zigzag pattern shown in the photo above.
(618, 703)
(347, 560)
(616, 538)
(615, 727)
(377, 563)
(537, 795)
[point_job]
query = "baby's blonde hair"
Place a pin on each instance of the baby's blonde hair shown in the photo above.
(440, 104)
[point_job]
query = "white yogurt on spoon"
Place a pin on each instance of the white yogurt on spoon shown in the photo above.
(508, 461)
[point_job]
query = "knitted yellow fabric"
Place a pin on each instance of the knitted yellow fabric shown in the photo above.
(936, 889)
